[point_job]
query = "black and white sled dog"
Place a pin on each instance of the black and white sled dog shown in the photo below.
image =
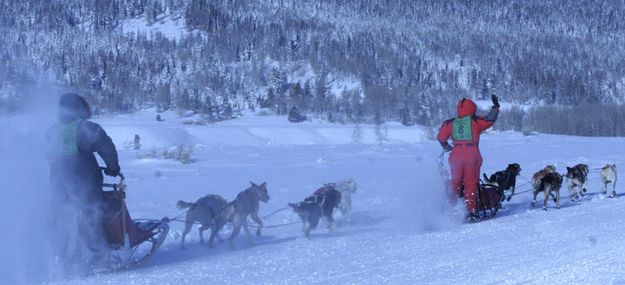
(505, 180)
(347, 188)
(206, 210)
(608, 176)
(576, 178)
(322, 203)
(549, 182)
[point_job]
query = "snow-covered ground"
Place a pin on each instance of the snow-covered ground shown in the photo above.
(402, 230)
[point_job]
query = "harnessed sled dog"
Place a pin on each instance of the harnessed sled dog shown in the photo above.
(347, 188)
(547, 181)
(206, 211)
(576, 178)
(505, 180)
(247, 203)
(322, 203)
(608, 176)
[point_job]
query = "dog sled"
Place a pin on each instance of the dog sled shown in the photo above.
(130, 243)
(489, 196)
(488, 200)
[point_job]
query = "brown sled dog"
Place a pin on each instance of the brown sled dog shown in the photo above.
(538, 176)
(247, 203)
(549, 182)
(206, 211)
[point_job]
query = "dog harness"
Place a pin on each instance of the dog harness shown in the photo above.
(319, 198)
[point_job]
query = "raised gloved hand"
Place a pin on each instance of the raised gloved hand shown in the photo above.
(111, 171)
(495, 100)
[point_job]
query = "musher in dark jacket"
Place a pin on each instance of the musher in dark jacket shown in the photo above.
(75, 174)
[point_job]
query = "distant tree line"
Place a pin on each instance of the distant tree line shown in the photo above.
(581, 120)
(413, 59)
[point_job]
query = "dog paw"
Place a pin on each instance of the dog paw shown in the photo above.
(557, 207)
(508, 198)
(545, 209)
(258, 232)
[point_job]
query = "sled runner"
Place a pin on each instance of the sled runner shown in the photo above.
(131, 243)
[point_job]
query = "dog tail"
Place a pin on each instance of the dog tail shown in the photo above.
(184, 205)
(228, 212)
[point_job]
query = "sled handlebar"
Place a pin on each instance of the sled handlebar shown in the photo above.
(116, 186)
(120, 174)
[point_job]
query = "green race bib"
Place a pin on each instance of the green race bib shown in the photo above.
(461, 129)
(65, 142)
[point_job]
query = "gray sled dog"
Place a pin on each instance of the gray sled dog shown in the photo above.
(576, 178)
(347, 188)
(247, 203)
(206, 211)
(321, 204)
(608, 176)
(549, 182)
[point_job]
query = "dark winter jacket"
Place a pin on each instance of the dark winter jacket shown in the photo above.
(75, 172)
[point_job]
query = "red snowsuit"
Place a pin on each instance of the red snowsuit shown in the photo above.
(465, 158)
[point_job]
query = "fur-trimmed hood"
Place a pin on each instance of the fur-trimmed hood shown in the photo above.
(73, 106)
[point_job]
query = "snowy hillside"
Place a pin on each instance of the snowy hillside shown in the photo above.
(166, 26)
(347, 61)
(402, 231)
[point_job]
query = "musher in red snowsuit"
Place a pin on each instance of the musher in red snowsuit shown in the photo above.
(465, 158)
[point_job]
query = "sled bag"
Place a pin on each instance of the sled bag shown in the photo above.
(489, 197)
(113, 223)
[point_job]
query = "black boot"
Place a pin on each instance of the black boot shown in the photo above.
(472, 217)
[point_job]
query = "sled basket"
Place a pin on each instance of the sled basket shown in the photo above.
(113, 217)
(489, 199)
(131, 243)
